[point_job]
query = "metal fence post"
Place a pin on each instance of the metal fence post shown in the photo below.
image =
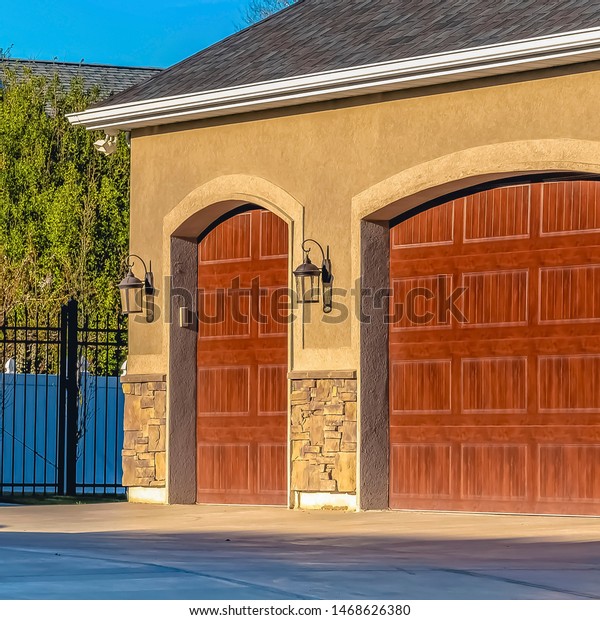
(72, 410)
(62, 402)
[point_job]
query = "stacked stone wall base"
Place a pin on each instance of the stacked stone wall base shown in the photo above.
(145, 428)
(323, 439)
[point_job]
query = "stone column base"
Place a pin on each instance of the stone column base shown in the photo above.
(323, 439)
(145, 426)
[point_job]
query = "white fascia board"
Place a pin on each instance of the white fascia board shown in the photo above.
(513, 57)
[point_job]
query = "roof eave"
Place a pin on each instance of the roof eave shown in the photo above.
(447, 67)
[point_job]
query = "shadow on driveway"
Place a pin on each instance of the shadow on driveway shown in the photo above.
(246, 565)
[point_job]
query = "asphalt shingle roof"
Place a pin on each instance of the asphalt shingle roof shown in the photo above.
(319, 35)
(109, 78)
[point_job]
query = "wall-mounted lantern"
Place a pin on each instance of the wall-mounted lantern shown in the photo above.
(134, 292)
(310, 278)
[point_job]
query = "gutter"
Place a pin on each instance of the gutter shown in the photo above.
(443, 68)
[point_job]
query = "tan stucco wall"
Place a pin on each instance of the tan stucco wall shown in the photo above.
(323, 168)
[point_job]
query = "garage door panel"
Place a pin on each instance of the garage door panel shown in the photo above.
(417, 302)
(222, 315)
(569, 294)
(275, 305)
(494, 385)
(494, 298)
(502, 213)
(273, 236)
(229, 242)
(433, 227)
(569, 472)
(569, 208)
(501, 412)
(224, 391)
(426, 470)
(435, 377)
(494, 471)
(224, 467)
(569, 383)
(272, 390)
(272, 470)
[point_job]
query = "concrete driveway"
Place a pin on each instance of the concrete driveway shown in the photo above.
(128, 551)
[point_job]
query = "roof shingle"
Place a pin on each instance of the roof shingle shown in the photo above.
(320, 35)
(110, 79)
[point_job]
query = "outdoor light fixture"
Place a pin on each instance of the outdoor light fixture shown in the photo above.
(134, 291)
(308, 277)
(107, 146)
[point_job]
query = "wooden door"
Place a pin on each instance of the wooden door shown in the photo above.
(498, 410)
(242, 361)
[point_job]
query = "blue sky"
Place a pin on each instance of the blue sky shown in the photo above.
(126, 32)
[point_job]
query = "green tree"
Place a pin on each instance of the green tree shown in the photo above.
(261, 9)
(64, 208)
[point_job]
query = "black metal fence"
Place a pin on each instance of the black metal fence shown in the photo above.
(61, 406)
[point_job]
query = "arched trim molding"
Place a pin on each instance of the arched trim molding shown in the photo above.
(474, 166)
(202, 206)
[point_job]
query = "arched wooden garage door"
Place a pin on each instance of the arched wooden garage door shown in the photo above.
(499, 411)
(242, 361)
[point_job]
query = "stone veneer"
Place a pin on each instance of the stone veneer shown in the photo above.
(323, 433)
(144, 449)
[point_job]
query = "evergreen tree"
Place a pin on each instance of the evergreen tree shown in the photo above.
(64, 208)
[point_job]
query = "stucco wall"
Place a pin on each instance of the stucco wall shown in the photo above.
(334, 164)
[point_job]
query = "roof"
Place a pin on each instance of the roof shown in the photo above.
(314, 36)
(111, 79)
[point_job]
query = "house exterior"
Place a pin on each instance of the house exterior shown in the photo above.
(447, 156)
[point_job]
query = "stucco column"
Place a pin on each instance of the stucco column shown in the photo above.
(181, 478)
(374, 367)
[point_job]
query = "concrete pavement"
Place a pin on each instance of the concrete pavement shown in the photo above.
(125, 551)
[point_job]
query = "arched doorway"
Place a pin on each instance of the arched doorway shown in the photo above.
(242, 360)
(494, 352)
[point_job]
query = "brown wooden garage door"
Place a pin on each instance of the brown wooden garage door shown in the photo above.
(498, 410)
(242, 361)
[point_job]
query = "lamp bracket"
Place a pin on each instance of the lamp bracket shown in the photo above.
(148, 275)
(326, 274)
(307, 250)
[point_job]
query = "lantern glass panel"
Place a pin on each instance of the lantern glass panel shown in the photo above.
(300, 288)
(313, 293)
(308, 288)
(131, 300)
